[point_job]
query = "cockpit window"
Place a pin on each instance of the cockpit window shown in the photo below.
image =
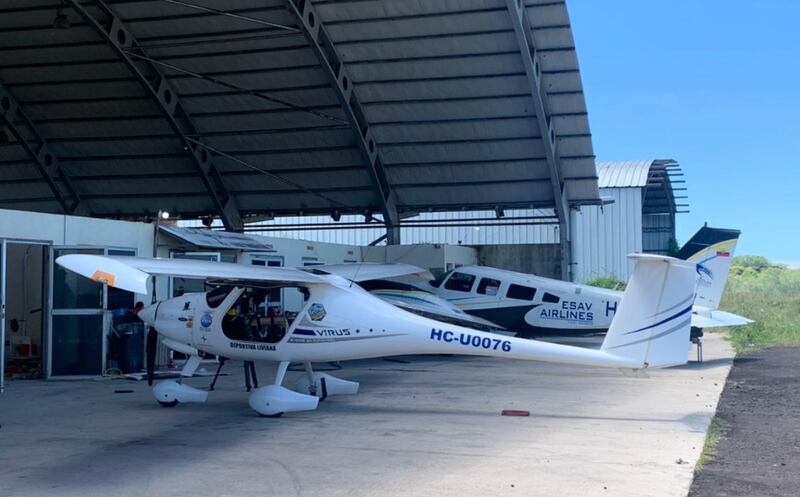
(436, 283)
(488, 286)
(250, 319)
(215, 297)
(460, 282)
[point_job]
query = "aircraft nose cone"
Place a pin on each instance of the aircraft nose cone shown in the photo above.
(148, 314)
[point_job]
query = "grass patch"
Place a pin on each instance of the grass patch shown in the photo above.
(611, 282)
(770, 295)
(715, 430)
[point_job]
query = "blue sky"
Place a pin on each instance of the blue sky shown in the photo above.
(714, 85)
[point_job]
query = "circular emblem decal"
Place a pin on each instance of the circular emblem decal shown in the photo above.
(205, 320)
(316, 312)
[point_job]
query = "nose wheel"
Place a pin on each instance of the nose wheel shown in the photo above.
(168, 404)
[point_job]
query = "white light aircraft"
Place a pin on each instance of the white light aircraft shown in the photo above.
(536, 306)
(342, 321)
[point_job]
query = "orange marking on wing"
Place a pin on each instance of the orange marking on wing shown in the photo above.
(104, 277)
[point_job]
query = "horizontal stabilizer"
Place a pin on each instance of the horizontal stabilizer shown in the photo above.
(706, 318)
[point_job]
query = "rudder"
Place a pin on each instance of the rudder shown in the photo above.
(653, 320)
(711, 249)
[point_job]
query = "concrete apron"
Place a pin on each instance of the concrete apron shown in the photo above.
(431, 426)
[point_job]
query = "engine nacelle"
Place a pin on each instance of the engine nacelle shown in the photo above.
(167, 392)
(273, 400)
(325, 385)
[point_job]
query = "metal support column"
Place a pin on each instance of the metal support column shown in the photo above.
(40, 153)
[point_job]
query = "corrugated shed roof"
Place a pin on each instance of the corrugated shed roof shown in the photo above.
(623, 174)
(657, 178)
(441, 84)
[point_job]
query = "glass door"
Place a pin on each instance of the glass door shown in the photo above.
(77, 328)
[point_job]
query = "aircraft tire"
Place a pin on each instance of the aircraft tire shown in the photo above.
(168, 404)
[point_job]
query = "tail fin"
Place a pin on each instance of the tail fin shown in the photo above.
(711, 249)
(652, 323)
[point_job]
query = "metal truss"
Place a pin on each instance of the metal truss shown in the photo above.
(41, 154)
(117, 36)
(533, 70)
(325, 51)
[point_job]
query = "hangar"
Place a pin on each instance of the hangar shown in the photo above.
(383, 109)
(286, 117)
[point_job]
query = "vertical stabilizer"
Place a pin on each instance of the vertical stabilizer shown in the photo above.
(653, 319)
(711, 249)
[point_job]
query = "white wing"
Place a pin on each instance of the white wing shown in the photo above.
(131, 273)
(366, 271)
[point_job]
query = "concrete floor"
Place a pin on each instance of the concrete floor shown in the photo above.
(431, 426)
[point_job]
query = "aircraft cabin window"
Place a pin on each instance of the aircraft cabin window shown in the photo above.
(439, 279)
(549, 298)
(520, 292)
(215, 297)
(488, 286)
(460, 282)
(248, 320)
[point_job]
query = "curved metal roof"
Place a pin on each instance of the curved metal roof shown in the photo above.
(283, 107)
(655, 177)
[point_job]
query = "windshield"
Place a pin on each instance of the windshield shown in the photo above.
(436, 283)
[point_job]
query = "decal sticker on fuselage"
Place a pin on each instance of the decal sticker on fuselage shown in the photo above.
(316, 312)
(252, 346)
(326, 335)
(469, 340)
(572, 311)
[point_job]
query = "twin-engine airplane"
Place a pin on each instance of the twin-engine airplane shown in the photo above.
(536, 306)
(342, 321)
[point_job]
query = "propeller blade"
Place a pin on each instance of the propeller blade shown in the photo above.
(150, 350)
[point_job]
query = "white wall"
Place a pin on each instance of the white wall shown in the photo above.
(57, 229)
(435, 257)
(603, 236)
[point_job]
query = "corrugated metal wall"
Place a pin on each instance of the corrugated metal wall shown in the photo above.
(659, 230)
(603, 236)
(452, 235)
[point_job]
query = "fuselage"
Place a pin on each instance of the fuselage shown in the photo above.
(528, 304)
(345, 322)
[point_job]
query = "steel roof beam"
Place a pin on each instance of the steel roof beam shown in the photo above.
(41, 154)
(120, 40)
(533, 70)
(334, 68)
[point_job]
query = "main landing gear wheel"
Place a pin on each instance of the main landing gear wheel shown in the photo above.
(168, 404)
(277, 415)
